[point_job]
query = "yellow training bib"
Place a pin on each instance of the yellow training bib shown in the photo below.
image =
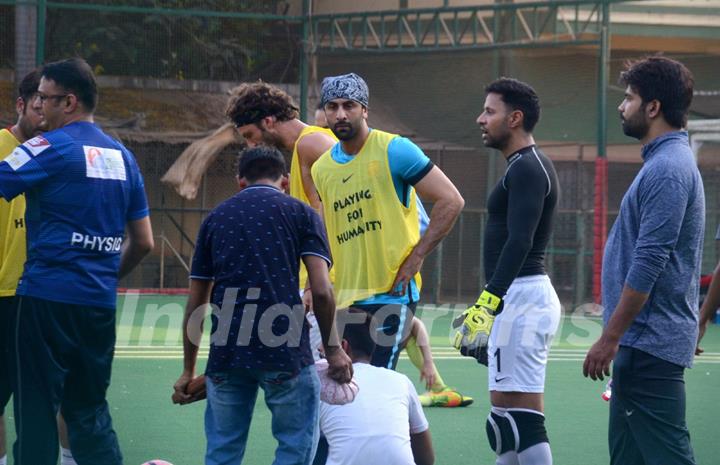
(297, 188)
(370, 231)
(12, 229)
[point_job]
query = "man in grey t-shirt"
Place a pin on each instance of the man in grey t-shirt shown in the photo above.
(651, 273)
(711, 303)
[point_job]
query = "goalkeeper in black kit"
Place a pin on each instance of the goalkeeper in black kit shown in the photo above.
(511, 325)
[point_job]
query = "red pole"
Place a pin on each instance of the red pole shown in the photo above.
(599, 224)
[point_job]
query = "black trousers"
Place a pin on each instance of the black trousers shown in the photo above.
(6, 316)
(63, 356)
(647, 411)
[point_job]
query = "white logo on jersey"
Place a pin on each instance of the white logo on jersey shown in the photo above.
(36, 145)
(101, 244)
(17, 158)
(104, 163)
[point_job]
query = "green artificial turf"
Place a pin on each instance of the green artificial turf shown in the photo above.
(148, 361)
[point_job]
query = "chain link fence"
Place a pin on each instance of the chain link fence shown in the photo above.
(164, 76)
(453, 272)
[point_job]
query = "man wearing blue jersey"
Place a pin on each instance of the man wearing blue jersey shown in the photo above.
(84, 191)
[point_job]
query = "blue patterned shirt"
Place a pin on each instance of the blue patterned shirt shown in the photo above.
(251, 246)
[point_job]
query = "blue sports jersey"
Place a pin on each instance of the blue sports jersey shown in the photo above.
(81, 187)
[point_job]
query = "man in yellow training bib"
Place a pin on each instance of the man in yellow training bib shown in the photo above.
(12, 232)
(367, 183)
(265, 114)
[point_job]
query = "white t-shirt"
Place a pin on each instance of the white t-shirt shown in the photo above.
(375, 428)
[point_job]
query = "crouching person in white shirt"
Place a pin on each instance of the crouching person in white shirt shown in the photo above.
(385, 423)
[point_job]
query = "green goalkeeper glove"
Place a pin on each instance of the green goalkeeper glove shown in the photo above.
(473, 326)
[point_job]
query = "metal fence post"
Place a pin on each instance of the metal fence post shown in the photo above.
(304, 52)
(40, 41)
(26, 36)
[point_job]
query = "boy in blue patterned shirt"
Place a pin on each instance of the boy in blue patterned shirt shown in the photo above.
(246, 264)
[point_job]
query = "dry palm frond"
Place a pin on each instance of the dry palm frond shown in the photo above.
(186, 173)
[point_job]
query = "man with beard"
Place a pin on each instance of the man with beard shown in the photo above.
(512, 323)
(368, 183)
(651, 273)
(265, 114)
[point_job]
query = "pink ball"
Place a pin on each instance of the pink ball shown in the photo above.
(157, 462)
(332, 392)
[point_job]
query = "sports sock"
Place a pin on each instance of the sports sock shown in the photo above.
(508, 458)
(539, 454)
(417, 359)
(66, 457)
(3, 460)
(439, 384)
(414, 353)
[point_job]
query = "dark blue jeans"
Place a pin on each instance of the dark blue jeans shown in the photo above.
(293, 400)
(647, 411)
(63, 355)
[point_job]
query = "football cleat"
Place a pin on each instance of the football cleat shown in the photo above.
(447, 397)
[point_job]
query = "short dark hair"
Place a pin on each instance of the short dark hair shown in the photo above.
(359, 338)
(76, 76)
(665, 80)
(29, 85)
(519, 96)
(261, 162)
(251, 102)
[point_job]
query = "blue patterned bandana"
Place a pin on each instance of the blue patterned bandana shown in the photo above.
(348, 86)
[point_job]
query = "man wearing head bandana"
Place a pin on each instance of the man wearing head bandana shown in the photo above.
(368, 183)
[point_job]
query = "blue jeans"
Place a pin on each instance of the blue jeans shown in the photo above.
(293, 400)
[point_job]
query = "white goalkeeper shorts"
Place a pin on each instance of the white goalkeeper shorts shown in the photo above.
(521, 335)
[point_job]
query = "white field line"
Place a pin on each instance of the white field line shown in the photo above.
(556, 355)
(467, 359)
(435, 350)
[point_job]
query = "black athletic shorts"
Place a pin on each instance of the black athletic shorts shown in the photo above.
(391, 325)
(7, 307)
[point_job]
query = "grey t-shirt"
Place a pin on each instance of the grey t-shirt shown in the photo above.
(655, 247)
